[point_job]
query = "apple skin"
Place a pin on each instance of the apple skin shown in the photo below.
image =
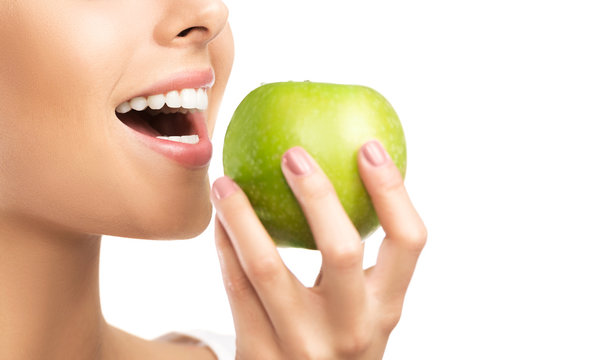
(331, 122)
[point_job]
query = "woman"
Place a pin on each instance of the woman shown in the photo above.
(79, 159)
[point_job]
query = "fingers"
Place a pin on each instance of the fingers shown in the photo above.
(335, 235)
(256, 253)
(249, 315)
(405, 231)
(346, 305)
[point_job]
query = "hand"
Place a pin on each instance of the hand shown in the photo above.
(350, 312)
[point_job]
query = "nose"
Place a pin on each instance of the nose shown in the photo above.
(191, 22)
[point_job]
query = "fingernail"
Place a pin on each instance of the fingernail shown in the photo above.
(374, 153)
(223, 187)
(297, 161)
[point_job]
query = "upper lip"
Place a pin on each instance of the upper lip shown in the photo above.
(183, 80)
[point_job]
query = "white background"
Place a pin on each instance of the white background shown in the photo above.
(504, 109)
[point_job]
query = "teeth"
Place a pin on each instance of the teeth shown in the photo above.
(156, 101)
(202, 100)
(123, 108)
(184, 100)
(173, 99)
(138, 103)
(188, 98)
(187, 139)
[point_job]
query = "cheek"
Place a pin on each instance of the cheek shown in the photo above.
(49, 78)
(53, 76)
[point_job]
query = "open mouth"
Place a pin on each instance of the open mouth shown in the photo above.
(164, 122)
(172, 116)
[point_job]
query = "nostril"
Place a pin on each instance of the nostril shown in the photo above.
(185, 32)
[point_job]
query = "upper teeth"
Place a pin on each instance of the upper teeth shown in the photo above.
(186, 98)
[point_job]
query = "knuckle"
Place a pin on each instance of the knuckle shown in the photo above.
(314, 188)
(238, 287)
(391, 183)
(390, 321)
(357, 342)
(264, 270)
(412, 240)
(417, 240)
(345, 255)
(304, 349)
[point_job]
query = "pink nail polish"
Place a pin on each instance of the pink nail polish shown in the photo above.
(223, 187)
(374, 153)
(297, 161)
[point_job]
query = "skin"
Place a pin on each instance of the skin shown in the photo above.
(349, 312)
(70, 174)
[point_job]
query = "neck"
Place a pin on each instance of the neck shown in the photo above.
(49, 292)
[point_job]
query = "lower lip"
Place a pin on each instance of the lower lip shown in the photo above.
(192, 156)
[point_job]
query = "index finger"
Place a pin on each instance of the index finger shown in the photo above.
(257, 253)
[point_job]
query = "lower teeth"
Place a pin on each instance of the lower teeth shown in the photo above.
(187, 139)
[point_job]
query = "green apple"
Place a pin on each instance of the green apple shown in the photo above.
(331, 122)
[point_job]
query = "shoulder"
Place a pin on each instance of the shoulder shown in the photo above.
(171, 346)
(223, 346)
(179, 338)
(175, 345)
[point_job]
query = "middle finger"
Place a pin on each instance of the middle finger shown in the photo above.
(334, 234)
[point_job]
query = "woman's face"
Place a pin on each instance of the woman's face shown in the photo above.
(66, 159)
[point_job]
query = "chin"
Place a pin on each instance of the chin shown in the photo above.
(185, 228)
(164, 226)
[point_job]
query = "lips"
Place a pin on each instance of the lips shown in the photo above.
(184, 137)
(188, 155)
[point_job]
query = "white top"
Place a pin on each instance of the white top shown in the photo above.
(224, 346)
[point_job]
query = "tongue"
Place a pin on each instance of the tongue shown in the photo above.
(136, 121)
